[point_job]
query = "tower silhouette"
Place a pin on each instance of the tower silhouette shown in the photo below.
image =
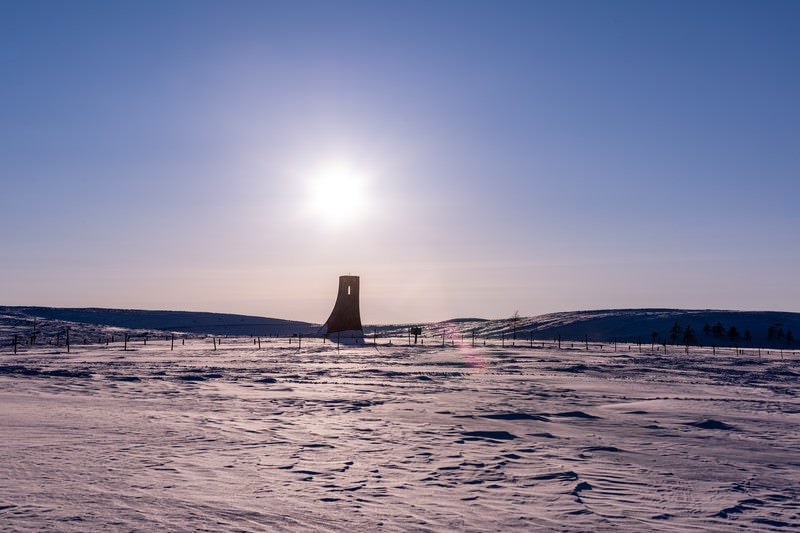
(345, 319)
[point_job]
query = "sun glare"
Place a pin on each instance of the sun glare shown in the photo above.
(337, 195)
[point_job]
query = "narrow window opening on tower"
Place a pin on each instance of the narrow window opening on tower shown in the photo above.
(348, 290)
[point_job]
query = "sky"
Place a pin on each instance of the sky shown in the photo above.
(466, 159)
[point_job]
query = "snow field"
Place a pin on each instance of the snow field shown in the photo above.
(396, 438)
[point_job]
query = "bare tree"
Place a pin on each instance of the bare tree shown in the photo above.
(514, 320)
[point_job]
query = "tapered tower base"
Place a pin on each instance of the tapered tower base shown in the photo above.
(352, 337)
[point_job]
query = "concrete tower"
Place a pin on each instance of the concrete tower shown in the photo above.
(345, 319)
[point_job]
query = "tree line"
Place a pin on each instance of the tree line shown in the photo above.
(776, 334)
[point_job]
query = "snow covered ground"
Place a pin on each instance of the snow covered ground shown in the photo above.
(397, 438)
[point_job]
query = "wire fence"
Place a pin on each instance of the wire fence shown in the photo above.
(67, 340)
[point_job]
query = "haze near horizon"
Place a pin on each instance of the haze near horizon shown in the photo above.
(464, 159)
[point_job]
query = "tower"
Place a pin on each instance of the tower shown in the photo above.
(345, 319)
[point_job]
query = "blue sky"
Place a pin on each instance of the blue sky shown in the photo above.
(539, 156)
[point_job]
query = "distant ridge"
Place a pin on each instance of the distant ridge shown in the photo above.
(177, 321)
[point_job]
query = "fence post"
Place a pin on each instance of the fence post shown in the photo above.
(172, 342)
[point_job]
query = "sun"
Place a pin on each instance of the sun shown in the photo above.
(337, 195)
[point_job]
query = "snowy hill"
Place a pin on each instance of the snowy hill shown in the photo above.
(91, 322)
(623, 325)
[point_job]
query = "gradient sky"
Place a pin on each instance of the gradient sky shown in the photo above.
(539, 156)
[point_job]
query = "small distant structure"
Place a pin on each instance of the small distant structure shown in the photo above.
(344, 324)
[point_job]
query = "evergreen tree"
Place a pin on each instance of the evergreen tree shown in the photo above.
(689, 337)
(707, 330)
(718, 330)
(675, 332)
(733, 334)
(748, 337)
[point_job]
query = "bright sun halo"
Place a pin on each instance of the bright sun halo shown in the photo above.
(337, 195)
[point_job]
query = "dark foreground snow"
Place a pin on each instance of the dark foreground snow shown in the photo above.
(396, 438)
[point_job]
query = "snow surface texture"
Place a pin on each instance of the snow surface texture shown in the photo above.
(397, 438)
